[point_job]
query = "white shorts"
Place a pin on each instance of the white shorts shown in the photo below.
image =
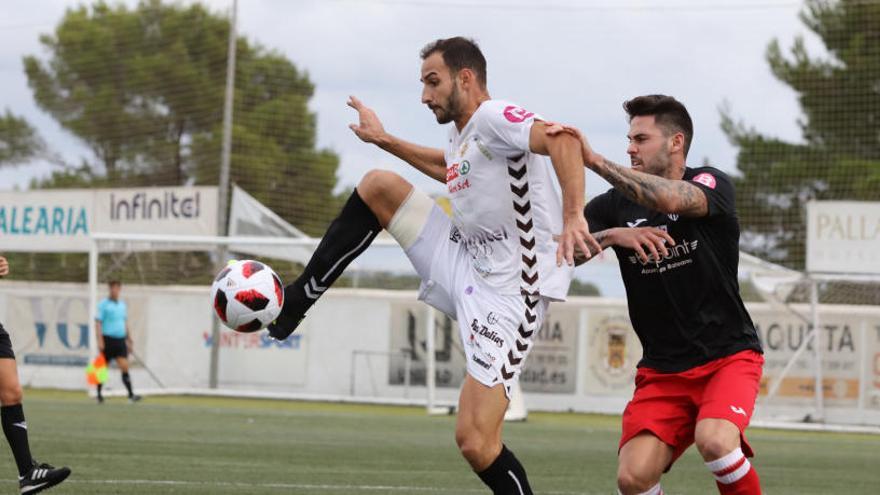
(496, 330)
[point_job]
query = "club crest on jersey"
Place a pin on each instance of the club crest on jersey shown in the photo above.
(516, 114)
(705, 179)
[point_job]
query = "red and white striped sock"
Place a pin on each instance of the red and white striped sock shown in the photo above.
(735, 475)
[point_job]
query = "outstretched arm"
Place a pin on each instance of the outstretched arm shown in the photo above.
(648, 242)
(564, 152)
(429, 161)
(650, 191)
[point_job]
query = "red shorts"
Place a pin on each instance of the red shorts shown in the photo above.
(669, 404)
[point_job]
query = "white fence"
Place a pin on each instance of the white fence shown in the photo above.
(372, 345)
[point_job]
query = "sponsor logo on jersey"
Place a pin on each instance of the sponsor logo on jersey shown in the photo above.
(479, 361)
(681, 249)
(483, 331)
(673, 216)
(461, 186)
(516, 114)
(454, 172)
(480, 245)
(457, 170)
(705, 179)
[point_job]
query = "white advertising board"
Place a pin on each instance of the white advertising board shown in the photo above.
(61, 220)
(843, 237)
(584, 359)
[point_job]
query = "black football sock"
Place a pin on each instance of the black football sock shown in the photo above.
(126, 379)
(506, 475)
(349, 235)
(15, 429)
(100, 388)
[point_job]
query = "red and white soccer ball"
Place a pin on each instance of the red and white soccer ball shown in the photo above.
(247, 295)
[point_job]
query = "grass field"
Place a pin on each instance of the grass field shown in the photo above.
(219, 446)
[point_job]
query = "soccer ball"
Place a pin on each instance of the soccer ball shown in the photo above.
(247, 295)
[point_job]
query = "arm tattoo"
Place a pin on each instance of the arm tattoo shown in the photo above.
(656, 193)
(603, 238)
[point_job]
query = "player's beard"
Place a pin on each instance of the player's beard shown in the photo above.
(660, 162)
(450, 111)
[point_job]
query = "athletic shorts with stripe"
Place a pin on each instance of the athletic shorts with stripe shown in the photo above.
(669, 405)
(496, 330)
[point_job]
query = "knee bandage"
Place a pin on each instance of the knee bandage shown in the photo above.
(409, 219)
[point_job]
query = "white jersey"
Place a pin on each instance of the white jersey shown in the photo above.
(505, 207)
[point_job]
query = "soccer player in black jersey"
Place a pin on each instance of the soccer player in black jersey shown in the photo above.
(676, 236)
(33, 477)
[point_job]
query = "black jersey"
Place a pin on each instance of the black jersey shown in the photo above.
(685, 308)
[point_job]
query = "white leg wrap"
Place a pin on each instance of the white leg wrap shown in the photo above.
(409, 219)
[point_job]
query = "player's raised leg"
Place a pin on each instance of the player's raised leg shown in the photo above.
(641, 462)
(368, 210)
(33, 477)
(478, 434)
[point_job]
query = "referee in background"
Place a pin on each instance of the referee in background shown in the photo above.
(114, 336)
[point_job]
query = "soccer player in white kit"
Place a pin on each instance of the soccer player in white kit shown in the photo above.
(494, 266)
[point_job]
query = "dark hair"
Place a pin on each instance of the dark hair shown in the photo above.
(114, 282)
(459, 53)
(668, 113)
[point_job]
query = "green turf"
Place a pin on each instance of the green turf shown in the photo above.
(220, 446)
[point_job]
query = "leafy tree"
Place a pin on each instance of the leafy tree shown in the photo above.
(839, 157)
(144, 89)
(18, 140)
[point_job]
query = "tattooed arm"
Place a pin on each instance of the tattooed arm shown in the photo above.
(651, 191)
